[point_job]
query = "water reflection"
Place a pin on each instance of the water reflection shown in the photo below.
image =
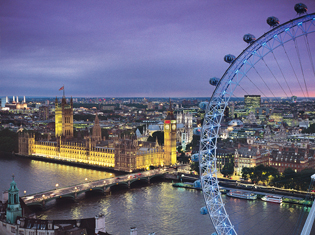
(156, 208)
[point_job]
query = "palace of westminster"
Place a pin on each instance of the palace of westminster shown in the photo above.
(120, 154)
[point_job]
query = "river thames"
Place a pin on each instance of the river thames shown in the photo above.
(157, 207)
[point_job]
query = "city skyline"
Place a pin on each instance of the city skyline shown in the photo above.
(126, 49)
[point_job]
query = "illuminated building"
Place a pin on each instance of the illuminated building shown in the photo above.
(64, 118)
(132, 154)
(15, 104)
(78, 152)
(249, 156)
(184, 126)
(292, 157)
(170, 137)
(120, 154)
(252, 102)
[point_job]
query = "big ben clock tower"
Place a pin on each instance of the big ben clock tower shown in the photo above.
(170, 129)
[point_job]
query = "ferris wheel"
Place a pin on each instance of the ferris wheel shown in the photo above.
(259, 51)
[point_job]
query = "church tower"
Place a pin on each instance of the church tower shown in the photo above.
(170, 129)
(64, 118)
(14, 208)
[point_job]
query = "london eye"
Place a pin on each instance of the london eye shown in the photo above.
(260, 57)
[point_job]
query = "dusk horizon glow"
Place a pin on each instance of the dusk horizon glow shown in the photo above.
(126, 48)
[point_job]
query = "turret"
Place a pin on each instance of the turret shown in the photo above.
(14, 208)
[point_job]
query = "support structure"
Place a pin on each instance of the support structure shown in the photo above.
(253, 54)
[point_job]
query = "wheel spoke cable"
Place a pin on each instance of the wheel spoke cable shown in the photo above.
(282, 73)
(255, 85)
(309, 53)
(285, 51)
(274, 76)
(299, 57)
(264, 82)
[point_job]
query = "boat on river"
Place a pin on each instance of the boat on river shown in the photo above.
(241, 194)
(272, 198)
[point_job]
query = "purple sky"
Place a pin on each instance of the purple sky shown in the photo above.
(124, 48)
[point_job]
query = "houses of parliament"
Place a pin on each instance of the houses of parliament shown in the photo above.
(121, 154)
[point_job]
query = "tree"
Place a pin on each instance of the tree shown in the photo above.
(228, 169)
(8, 141)
(311, 129)
(194, 143)
(246, 172)
(195, 167)
(303, 179)
(179, 149)
(183, 158)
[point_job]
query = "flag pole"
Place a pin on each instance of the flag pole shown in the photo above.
(63, 90)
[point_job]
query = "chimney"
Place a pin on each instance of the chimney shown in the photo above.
(13, 101)
(249, 148)
(17, 99)
(24, 100)
(6, 99)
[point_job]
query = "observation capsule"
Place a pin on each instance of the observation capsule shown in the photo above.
(273, 21)
(249, 38)
(229, 58)
(203, 105)
(203, 210)
(300, 8)
(214, 81)
(195, 157)
(197, 184)
(197, 131)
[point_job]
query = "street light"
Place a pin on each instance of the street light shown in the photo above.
(181, 178)
(57, 185)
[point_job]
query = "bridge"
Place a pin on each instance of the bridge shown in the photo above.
(102, 186)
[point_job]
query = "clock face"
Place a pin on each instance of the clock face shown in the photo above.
(173, 127)
(167, 127)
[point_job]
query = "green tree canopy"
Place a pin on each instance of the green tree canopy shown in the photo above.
(8, 141)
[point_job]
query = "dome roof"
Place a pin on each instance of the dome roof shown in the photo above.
(235, 122)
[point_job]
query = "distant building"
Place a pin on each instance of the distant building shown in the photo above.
(292, 157)
(43, 113)
(15, 103)
(249, 156)
(252, 102)
(184, 126)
